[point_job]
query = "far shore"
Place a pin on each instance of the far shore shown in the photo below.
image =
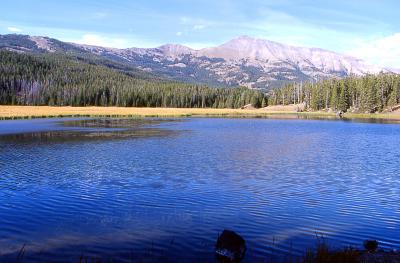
(27, 112)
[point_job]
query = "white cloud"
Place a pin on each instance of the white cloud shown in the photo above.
(384, 51)
(99, 15)
(14, 29)
(179, 34)
(184, 20)
(195, 24)
(198, 27)
(97, 40)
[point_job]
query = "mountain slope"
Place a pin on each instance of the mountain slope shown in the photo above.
(44, 45)
(57, 79)
(255, 63)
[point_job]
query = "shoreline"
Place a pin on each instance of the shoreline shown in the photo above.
(31, 112)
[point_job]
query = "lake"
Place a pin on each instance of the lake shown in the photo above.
(161, 190)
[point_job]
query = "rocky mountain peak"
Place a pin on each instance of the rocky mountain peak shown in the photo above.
(175, 50)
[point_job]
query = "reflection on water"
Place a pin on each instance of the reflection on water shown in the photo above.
(61, 136)
(164, 197)
(93, 129)
(376, 120)
(316, 116)
(115, 123)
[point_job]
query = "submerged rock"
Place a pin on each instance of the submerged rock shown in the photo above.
(371, 245)
(230, 247)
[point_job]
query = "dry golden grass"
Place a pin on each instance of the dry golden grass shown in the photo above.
(285, 108)
(18, 112)
(8, 112)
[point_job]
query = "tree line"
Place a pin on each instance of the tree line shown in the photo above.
(369, 93)
(59, 80)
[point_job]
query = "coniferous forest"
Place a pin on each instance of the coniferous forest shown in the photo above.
(366, 94)
(59, 80)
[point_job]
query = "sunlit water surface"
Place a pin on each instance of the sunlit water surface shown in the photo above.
(162, 190)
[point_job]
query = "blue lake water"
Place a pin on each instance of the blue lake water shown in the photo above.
(162, 191)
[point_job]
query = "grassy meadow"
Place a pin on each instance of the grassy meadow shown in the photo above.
(26, 112)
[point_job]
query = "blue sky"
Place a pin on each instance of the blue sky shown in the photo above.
(367, 29)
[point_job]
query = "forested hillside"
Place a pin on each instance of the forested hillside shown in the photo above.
(55, 79)
(370, 93)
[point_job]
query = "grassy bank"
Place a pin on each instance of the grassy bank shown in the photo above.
(21, 112)
(26, 112)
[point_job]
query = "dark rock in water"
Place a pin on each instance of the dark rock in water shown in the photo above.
(371, 245)
(230, 247)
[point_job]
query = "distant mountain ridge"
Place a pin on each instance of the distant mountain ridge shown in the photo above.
(245, 61)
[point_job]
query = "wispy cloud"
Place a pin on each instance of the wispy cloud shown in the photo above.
(199, 27)
(383, 51)
(112, 41)
(179, 33)
(14, 29)
(184, 20)
(98, 40)
(195, 24)
(99, 15)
